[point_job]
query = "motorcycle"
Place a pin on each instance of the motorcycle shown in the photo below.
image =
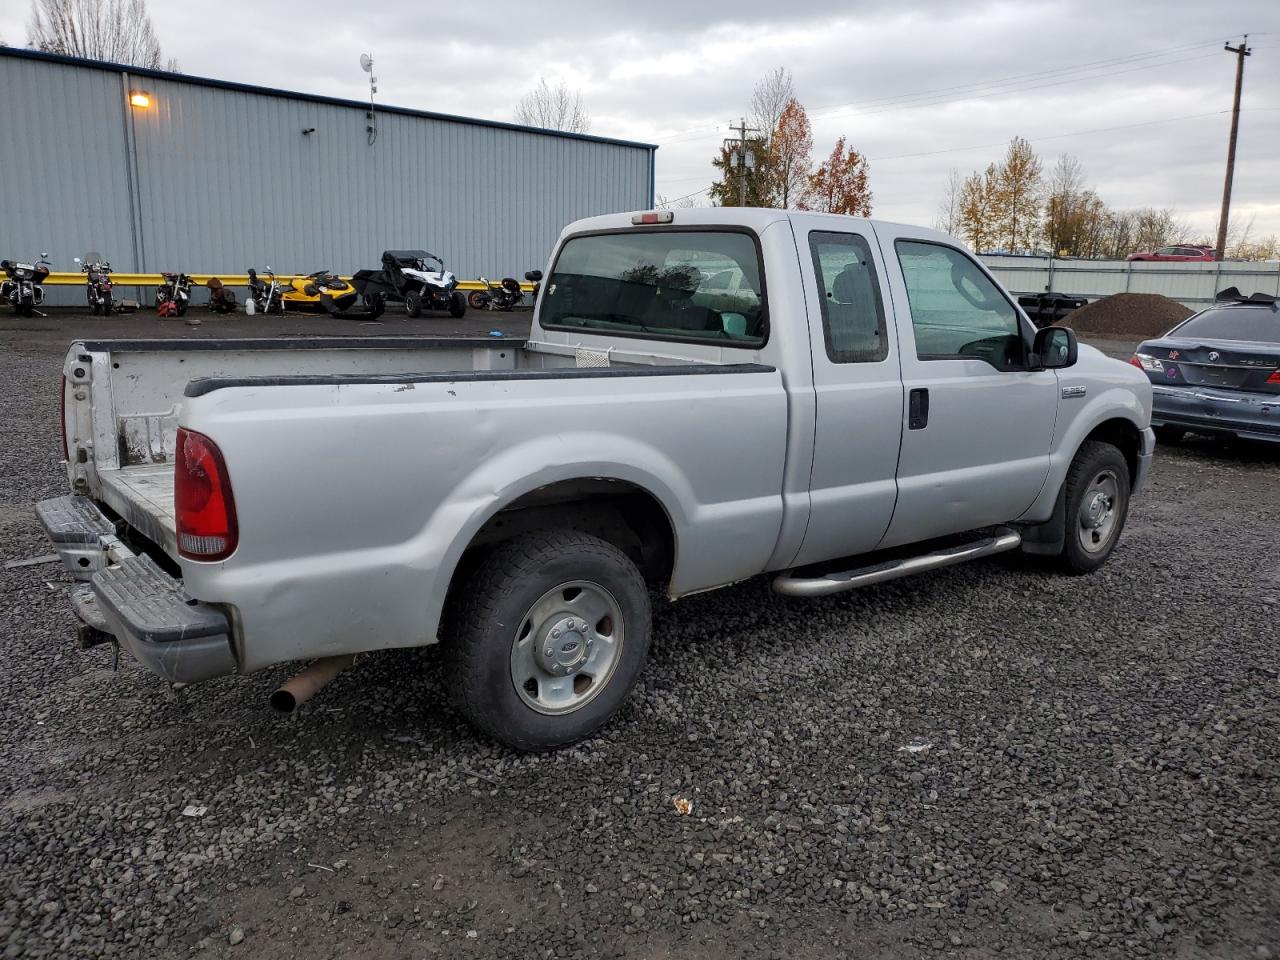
(222, 299)
(174, 295)
(21, 287)
(97, 284)
(496, 296)
(407, 276)
(264, 296)
(323, 289)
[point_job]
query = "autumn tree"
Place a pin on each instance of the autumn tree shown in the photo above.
(119, 31)
(790, 151)
(553, 108)
(947, 219)
(1064, 206)
(1018, 196)
(840, 184)
(979, 219)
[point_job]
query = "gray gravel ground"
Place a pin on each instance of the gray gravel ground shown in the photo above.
(1096, 767)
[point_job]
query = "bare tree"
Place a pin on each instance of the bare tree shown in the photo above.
(948, 217)
(553, 108)
(770, 97)
(116, 30)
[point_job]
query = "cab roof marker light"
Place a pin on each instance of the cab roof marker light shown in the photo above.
(654, 216)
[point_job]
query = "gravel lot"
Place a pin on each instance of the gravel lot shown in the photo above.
(1094, 765)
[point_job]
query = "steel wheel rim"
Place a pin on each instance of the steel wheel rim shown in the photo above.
(567, 647)
(1097, 518)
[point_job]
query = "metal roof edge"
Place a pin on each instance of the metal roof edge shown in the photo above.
(24, 53)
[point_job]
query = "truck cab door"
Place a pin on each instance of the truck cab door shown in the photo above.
(858, 386)
(977, 422)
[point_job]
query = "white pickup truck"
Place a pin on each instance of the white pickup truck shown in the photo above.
(704, 396)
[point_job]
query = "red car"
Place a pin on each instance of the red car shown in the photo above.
(1183, 252)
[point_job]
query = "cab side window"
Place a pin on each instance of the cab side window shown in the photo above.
(956, 311)
(849, 291)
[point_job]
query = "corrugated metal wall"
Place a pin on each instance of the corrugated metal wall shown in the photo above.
(224, 179)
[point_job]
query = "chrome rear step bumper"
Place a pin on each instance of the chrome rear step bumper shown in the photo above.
(793, 586)
(132, 599)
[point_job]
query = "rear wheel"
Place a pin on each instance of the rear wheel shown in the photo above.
(478, 299)
(457, 305)
(548, 638)
(413, 303)
(1097, 503)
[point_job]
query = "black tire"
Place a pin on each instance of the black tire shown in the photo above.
(26, 309)
(330, 307)
(375, 305)
(497, 602)
(478, 299)
(1170, 435)
(106, 305)
(1094, 461)
(457, 305)
(413, 304)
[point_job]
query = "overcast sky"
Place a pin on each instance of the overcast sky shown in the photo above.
(1139, 91)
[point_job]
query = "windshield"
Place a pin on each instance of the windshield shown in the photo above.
(668, 284)
(1259, 324)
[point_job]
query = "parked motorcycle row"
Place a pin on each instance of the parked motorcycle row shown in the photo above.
(416, 279)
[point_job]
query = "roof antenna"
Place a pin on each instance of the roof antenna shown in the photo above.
(366, 64)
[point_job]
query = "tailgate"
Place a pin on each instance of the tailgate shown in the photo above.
(143, 497)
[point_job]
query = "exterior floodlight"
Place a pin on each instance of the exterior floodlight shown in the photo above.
(139, 99)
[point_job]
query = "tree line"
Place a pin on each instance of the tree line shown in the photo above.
(774, 167)
(1012, 207)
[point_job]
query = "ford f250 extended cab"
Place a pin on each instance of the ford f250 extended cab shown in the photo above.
(704, 396)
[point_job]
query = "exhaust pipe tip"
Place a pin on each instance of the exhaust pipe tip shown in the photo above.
(282, 701)
(297, 690)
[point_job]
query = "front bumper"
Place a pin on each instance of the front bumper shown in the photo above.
(132, 599)
(1254, 416)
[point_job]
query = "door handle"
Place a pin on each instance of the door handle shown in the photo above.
(918, 408)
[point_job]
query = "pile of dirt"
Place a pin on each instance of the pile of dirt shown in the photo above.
(1128, 316)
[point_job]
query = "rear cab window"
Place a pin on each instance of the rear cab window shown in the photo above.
(686, 285)
(849, 293)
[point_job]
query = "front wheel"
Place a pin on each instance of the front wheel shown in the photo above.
(478, 299)
(548, 638)
(457, 305)
(1097, 503)
(413, 304)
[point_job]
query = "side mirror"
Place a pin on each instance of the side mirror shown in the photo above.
(533, 275)
(1054, 348)
(77, 260)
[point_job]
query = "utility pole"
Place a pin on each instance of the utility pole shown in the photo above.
(1241, 52)
(741, 156)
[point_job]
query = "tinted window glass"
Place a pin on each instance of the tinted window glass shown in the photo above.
(956, 311)
(669, 284)
(852, 312)
(1233, 323)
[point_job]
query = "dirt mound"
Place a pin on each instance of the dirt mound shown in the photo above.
(1128, 315)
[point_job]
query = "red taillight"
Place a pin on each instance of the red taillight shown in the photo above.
(1136, 362)
(62, 416)
(1274, 378)
(204, 508)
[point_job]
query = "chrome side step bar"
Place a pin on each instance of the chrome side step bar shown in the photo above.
(788, 583)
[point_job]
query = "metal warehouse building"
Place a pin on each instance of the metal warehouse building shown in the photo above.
(216, 177)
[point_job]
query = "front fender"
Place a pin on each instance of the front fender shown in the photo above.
(1113, 390)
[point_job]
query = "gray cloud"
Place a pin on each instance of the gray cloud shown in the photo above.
(919, 87)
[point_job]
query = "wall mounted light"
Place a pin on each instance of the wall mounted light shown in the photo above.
(139, 99)
(308, 131)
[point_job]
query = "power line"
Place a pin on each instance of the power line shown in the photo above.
(982, 85)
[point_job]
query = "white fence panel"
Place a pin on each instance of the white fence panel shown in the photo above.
(1193, 284)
